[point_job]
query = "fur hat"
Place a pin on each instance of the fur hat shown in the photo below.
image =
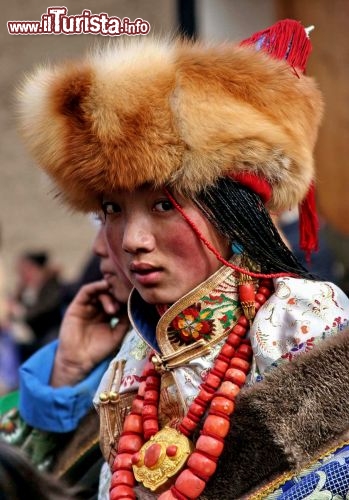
(171, 112)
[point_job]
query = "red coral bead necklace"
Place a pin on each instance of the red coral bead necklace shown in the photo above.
(217, 395)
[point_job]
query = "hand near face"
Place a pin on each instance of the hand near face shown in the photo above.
(86, 337)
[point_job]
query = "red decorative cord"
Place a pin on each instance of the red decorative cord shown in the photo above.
(215, 251)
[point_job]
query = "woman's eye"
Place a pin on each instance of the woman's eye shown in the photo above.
(163, 206)
(110, 208)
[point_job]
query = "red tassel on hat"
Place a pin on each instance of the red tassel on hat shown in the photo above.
(287, 39)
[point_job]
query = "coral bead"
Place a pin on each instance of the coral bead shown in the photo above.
(192, 416)
(137, 459)
(267, 283)
(213, 381)
(243, 321)
(228, 351)
(235, 375)
(151, 396)
(245, 352)
(221, 366)
(246, 292)
(234, 340)
(121, 491)
(123, 461)
(153, 381)
(260, 298)
(129, 443)
(229, 389)
(240, 363)
(122, 477)
(264, 291)
(209, 445)
(197, 410)
(189, 424)
(150, 427)
(171, 451)
(216, 425)
(223, 405)
(190, 485)
(150, 410)
(137, 406)
(201, 465)
(239, 330)
(205, 394)
(133, 423)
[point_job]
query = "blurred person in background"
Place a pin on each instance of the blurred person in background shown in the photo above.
(38, 300)
(9, 356)
(90, 271)
(55, 423)
(19, 479)
(324, 262)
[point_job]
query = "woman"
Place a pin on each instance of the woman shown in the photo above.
(53, 421)
(187, 149)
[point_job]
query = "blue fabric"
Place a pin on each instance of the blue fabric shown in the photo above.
(54, 409)
(328, 479)
(145, 319)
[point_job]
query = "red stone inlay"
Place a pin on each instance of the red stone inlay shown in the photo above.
(152, 455)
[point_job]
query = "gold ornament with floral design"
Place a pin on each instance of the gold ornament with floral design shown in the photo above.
(161, 458)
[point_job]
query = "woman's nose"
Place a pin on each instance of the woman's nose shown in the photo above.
(100, 244)
(138, 236)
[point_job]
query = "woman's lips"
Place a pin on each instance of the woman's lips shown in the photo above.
(146, 274)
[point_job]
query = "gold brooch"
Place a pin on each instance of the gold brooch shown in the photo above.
(161, 458)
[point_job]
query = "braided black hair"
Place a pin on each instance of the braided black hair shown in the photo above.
(240, 215)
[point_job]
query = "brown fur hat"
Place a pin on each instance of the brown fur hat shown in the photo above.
(171, 112)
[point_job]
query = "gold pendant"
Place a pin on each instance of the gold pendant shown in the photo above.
(162, 457)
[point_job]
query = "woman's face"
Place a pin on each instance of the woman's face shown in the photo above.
(160, 254)
(112, 272)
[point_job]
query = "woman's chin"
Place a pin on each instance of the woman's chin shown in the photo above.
(155, 296)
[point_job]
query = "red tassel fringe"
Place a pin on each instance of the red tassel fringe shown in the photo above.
(287, 40)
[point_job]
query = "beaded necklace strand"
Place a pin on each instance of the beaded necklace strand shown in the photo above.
(217, 395)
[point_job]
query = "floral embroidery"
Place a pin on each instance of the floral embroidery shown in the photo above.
(193, 324)
(130, 380)
(138, 351)
(228, 306)
(298, 349)
(299, 315)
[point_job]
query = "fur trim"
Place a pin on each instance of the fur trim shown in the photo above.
(287, 420)
(175, 113)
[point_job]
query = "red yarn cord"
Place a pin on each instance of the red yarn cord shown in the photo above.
(212, 249)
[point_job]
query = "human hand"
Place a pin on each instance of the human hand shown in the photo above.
(86, 337)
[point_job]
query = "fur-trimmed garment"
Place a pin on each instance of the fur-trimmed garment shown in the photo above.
(286, 421)
(175, 113)
(280, 424)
